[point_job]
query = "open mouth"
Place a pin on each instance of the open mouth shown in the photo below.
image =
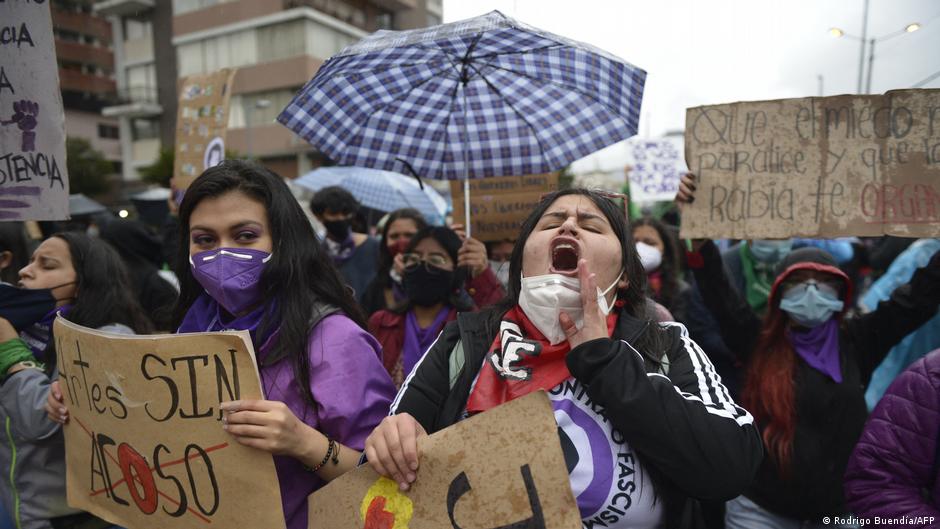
(565, 253)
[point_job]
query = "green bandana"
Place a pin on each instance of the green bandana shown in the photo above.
(758, 278)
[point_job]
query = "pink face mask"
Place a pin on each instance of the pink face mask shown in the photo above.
(232, 276)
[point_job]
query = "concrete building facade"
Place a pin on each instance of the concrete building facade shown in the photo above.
(277, 46)
(83, 43)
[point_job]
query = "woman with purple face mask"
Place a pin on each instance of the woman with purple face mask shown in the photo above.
(248, 261)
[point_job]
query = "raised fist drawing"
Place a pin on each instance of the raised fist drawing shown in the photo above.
(24, 115)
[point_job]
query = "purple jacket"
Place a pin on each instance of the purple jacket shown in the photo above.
(353, 394)
(894, 460)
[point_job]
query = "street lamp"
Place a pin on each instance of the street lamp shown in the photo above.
(838, 33)
(260, 104)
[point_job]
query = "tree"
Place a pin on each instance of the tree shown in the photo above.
(89, 171)
(161, 170)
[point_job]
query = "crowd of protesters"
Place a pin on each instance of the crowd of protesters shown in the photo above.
(739, 374)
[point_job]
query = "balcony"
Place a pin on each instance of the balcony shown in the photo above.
(135, 102)
(82, 82)
(122, 8)
(396, 5)
(82, 23)
(84, 54)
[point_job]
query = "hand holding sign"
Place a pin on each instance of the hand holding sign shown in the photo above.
(392, 448)
(144, 447)
(55, 406)
(500, 469)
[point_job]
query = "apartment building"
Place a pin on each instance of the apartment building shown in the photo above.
(83, 43)
(145, 79)
(277, 45)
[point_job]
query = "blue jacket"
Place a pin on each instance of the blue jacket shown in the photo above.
(926, 338)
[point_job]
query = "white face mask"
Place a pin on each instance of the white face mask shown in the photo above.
(542, 298)
(650, 256)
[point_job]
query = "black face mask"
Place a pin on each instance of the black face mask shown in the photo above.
(23, 307)
(338, 230)
(428, 288)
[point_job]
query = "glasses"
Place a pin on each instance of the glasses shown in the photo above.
(613, 197)
(797, 288)
(413, 260)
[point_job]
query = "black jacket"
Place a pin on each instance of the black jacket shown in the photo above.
(830, 415)
(694, 440)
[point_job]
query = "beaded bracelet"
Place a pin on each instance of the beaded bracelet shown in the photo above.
(330, 455)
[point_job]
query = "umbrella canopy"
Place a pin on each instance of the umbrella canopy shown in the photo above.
(79, 205)
(488, 96)
(381, 190)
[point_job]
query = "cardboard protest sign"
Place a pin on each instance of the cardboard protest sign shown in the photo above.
(34, 184)
(655, 168)
(503, 468)
(499, 205)
(816, 167)
(201, 122)
(144, 443)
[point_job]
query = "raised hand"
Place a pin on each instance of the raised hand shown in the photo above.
(595, 322)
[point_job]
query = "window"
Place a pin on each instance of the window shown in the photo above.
(323, 42)
(145, 129)
(209, 55)
(66, 35)
(185, 6)
(108, 132)
(137, 29)
(384, 20)
(244, 107)
(259, 45)
(142, 83)
(280, 41)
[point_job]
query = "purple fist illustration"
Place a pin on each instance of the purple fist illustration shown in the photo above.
(24, 115)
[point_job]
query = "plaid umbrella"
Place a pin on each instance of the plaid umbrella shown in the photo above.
(487, 96)
(381, 190)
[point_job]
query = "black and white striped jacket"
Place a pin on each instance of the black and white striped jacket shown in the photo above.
(697, 443)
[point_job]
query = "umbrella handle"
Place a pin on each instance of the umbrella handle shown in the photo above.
(466, 206)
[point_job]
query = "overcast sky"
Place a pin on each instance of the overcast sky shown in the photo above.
(700, 52)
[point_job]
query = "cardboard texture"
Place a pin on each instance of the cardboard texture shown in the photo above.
(34, 184)
(499, 468)
(498, 206)
(201, 123)
(144, 443)
(816, 167)
(655, 168)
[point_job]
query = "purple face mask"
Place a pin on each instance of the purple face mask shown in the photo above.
(232, 276)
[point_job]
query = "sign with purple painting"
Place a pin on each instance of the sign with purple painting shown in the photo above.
(34, 184)
(655, 168)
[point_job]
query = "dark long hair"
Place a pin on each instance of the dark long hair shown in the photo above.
(669, 268)
(103, 292)
(385, 257)
(450, 241)
(651, 344)
(298, 274)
